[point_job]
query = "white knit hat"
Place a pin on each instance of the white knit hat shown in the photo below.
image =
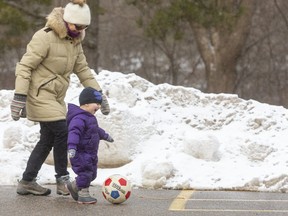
(76, 14)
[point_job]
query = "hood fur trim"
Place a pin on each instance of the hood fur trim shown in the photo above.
(56, 23)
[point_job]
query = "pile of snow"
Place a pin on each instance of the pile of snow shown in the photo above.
(167, 137)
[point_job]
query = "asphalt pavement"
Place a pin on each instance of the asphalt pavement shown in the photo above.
(144, 202)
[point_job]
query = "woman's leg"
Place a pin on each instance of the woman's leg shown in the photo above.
(39, 153)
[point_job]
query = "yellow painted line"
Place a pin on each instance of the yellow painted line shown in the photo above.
(179, 202)
(235, 200)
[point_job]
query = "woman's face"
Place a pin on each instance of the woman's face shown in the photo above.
(77, 28)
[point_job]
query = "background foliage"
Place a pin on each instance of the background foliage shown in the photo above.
(153, 39)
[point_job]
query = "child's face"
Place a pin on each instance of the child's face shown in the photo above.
(92, 107)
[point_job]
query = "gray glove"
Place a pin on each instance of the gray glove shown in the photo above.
(105, 108)
(71, 153)
(110, 139)
(18, 107)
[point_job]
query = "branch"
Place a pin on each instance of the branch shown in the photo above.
(281, 12)
(23, 10)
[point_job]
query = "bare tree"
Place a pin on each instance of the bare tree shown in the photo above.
(91, 41)
(262, 69)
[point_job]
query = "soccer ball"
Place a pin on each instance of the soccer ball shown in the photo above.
(116, 189)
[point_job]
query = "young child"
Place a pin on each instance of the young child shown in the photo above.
(84, 135)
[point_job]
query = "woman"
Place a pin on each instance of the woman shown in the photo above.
(42, 79)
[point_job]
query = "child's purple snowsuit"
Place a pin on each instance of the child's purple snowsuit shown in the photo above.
(84, 135)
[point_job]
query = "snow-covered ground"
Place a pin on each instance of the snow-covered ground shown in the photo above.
(167, 137)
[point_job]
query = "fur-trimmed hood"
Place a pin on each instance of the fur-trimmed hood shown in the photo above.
(56, 23)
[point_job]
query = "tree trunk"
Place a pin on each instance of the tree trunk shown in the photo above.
(221, 46)
(91, 41)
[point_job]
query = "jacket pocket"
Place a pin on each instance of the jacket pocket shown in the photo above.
(45, 82)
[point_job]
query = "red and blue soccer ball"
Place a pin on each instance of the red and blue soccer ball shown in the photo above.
(116, 189)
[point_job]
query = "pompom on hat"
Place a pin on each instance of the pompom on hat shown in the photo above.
(77, 12)
(90, 95)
